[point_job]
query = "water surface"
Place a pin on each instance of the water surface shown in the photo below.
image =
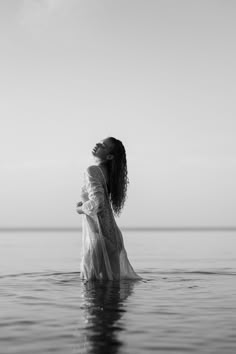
(185, 302)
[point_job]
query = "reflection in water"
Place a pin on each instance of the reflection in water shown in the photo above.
(103, 307)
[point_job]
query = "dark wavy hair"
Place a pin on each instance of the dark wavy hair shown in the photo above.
(118, 176)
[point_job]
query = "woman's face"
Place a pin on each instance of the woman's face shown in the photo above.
(103, 150)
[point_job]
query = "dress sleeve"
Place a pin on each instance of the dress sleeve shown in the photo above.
(95, 192)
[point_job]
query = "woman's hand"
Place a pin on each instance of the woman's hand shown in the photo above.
(78, 208)
(79, 211)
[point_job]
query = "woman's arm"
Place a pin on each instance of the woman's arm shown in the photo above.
(95, 192)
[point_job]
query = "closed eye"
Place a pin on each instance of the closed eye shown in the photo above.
(103, 145)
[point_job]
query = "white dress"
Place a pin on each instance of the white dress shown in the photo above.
(103, 252)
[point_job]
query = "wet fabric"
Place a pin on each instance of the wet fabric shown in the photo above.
(103, 251)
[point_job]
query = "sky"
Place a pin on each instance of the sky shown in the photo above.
(157, 74)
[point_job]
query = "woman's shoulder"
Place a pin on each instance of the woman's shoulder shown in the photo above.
(93, 170)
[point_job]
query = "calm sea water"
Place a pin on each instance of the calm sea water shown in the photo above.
(185, 303)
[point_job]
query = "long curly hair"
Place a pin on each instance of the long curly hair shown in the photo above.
(118, 176)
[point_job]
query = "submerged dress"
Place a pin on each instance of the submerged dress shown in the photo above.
(103, 253)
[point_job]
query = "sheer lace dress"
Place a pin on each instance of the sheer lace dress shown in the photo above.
(103, 252)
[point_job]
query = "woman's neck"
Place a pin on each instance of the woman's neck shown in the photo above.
(100, 162)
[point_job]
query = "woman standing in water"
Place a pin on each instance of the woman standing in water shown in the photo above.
(103, 195)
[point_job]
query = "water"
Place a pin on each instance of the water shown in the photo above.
(185, 302)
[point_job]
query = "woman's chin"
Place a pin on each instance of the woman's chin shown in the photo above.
(96, 158)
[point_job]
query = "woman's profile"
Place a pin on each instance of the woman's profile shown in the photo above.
(103, 196)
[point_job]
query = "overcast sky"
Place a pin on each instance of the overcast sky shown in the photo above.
(157, 74)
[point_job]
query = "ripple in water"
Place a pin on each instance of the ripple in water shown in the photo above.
(165, 312)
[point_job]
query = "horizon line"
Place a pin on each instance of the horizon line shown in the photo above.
(125, 228)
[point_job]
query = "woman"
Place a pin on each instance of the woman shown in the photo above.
(104, 193)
